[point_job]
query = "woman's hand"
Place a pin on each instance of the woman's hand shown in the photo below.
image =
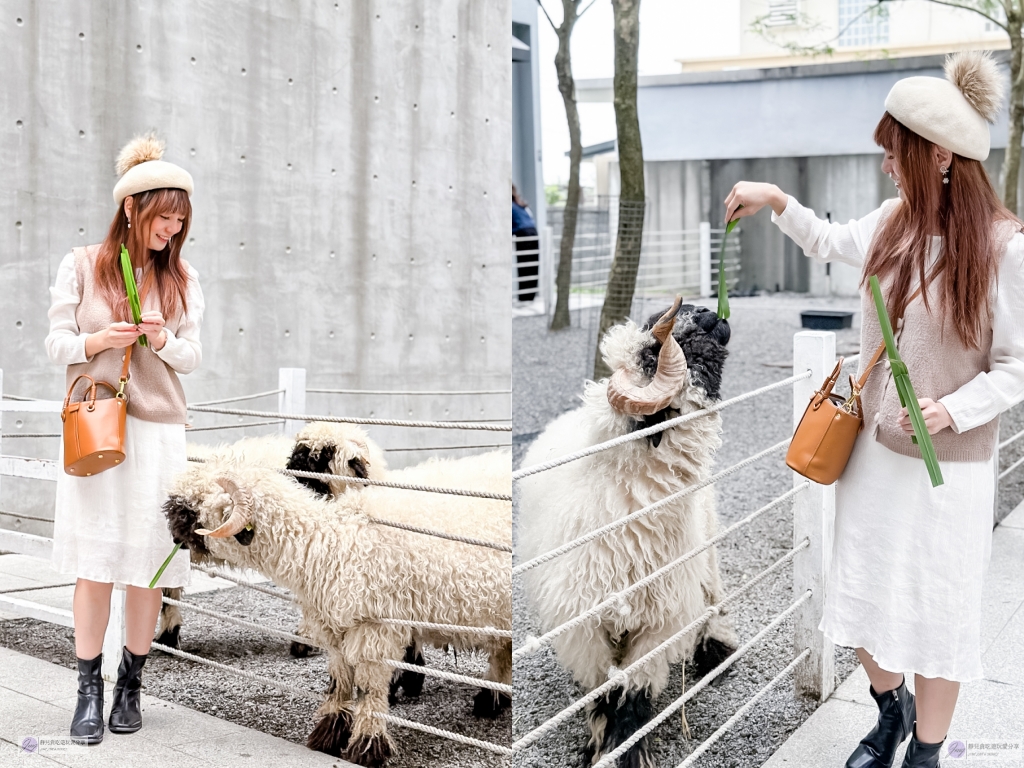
(115, 336)
(753, 196)
(152, 324)
(936, 417)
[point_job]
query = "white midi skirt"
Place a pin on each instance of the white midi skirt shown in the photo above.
(909, 561)
(110, 527)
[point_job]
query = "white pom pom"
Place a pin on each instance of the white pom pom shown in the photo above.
(977, 76)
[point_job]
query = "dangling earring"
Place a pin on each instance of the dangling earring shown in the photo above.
(945, 174)
(129, 223)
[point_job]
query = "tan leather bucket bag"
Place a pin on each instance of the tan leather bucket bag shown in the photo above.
(94, 429)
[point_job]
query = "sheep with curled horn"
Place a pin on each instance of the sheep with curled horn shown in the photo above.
(669, 367)
(265, 451)
(347, 573)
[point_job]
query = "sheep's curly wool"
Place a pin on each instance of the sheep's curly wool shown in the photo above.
(346, 572)
(141, 149)
(561, 504)
(977, 76)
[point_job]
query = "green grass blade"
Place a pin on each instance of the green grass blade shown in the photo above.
(163, 567)
(908, 398)
(133, 290)
(723, 290)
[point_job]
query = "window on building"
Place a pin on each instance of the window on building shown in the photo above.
(997, 12)
(858, 26)
(782, 13)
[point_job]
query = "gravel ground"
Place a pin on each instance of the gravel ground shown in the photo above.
(547, 376)
(442, 704)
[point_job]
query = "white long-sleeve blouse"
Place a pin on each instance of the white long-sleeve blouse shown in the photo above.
(990, 392)
(65, 343)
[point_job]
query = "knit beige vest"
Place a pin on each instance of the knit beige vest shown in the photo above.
(938, 364)
(154, 392)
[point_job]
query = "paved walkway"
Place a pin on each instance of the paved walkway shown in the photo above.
(37, 699)
(991, 709)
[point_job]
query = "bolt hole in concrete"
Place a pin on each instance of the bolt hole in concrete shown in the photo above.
(241, 331)
(192, 151)
(289, 166)
(193, 60)
(19, 423)
(333, 172)
(287, 249)
(138, 48)
(449, 263)
(373, 257)
(81, 35)
(17, 224)
(81, 230)
(415, 106)
(287, 334)
(81, 134)
(243, 71)
(242, 158)
(17, 324)
(290, 82)
(376, 99)
(332, 254)
(241, 246)
(334, 90)
(18, 123)
(373, 336)
(19, 22)
(191, 241)
(330, 335)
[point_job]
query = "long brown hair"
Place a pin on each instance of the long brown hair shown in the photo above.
(167, 274)
(963, 212)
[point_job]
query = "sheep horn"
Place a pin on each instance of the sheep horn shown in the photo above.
(241, 511)
(626, 397)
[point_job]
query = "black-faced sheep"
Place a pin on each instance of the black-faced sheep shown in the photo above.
(670, 366)
(347, 572)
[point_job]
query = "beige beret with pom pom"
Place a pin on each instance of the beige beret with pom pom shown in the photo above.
(141, 169)
(954, 112)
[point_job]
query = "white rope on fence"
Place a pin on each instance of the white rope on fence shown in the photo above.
(641, 433)
(579, 542)
(1002, 445)
(610, 758)
(410, 392)
(234, 426)
(487, 427)
(457, 628)
(450, 447)
(18, 397)
(327, 477)
(27, 517)
(441, 534)
(240, 622)
(617, 597)
(238, 399)
(441, 674)
(497, 748)
(293, 690)
(310, 696)
(1012, 467)
(30, 434)
(728, 724)
(41, 586)
(622, 675)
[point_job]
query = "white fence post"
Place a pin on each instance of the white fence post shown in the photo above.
(293, 399)
(813, 518)
(547, 270)
(705, 259)
(995, 490)
(115, 637)
(2, 422)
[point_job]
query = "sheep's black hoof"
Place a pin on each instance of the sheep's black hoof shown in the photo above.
(331, 734)
(299, 650)
(371, 751)
(169, 637)
(635, 709)
(709, 654)
(412, 682)
(488, 703)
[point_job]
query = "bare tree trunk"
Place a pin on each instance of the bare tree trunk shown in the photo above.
(622, 279)
(567, 87)
(1011, 162)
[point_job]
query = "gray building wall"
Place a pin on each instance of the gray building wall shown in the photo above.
(351, 163)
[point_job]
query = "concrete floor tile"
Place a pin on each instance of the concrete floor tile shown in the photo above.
(1004, 659)
(827, 737)
(240, 750)
(31, 568)
(36, 678)
(1003, 593)
(1015, 519)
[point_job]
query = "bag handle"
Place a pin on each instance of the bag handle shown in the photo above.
(856, 389)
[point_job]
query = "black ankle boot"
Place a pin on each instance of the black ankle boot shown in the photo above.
(126, 711)
(922, 755)
(896, 715)
(87, 723)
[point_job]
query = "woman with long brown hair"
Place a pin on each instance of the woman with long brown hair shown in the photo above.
(908, 561)
(109, 528)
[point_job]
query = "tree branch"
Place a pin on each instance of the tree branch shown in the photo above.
(546, 14)
(972, 9)
(585, 9)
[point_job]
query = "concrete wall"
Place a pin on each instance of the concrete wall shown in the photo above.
(352, 168)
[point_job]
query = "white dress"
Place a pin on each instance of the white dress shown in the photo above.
(909, 560)
(110, 527)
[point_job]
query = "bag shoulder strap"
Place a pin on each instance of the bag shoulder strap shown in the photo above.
(878, 352)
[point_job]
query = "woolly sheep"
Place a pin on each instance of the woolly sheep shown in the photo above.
(683, 365)
(346, 572)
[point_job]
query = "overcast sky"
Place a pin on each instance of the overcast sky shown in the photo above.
(669, 29)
